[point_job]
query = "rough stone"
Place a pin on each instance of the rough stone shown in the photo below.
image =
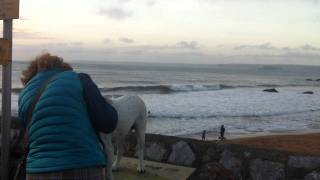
(272, 90)
(266, 170)
(314, 175)
(215, 171)
(155, 152)
(181, 154)
(231, 162)
(247, 154)
(211, 154)
(305, 162)
(308, 92)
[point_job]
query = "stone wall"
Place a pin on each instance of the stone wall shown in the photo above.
(212, 160)
(216, 160)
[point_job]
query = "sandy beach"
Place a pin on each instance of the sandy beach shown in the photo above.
(296, 142)
(305, 143)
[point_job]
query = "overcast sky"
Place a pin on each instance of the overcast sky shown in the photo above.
(179, 31)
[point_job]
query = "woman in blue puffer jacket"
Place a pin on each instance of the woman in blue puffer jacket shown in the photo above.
(62, 133)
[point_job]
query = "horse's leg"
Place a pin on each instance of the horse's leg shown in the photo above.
(140, 135)
(119, 145)
(109, 153)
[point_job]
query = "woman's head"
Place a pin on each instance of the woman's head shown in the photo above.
(43, 62)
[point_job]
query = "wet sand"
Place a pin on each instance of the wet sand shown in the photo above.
(294, 141)
(304, 143)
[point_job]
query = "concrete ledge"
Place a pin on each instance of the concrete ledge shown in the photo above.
(154, 171)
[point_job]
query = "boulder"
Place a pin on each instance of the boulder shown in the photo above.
(216, 171)
(231, 162)
(304, 162)
(308, 79)
(212, 154)
(308, 92)
(266, 170)
(317, 79)
(155, 152)
(273, 90)
(181, 154)
(314, 175)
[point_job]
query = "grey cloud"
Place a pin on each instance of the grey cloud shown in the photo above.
(309, 47)
(123, 1)
(126, 40)
(149, 53)
(265, 46)
(24, 18)
(77, 43)
(188, 45)
(220, 46)
(115, 13)
(26, 34)
(268, 46)
(286, 48)
(106, 41)
(151, 3)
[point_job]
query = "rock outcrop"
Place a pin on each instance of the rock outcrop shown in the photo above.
(266, 170)
(314, 175)
(218, 160)
(181, 154)
(306, 162)
(155, 152)
(308, 92)
(272, 90)
(231, 162)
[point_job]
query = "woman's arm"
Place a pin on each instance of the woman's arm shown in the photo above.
(103, 116)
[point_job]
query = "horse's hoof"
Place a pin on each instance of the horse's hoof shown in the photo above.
(141, 171)
(115, 169)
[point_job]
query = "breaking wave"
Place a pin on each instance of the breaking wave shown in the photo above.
(166, 89)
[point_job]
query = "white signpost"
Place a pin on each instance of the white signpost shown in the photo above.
(9, 9)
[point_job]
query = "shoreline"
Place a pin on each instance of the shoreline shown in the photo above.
(297, 142)
(214, 136)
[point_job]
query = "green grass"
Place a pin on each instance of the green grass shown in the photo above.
(129, 174)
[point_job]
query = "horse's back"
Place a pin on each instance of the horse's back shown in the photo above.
(129, 102)
(130, 110)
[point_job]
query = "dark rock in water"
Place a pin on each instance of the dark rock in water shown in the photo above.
(308, 79)
(317, 79)
(273, 90)
(308, 92)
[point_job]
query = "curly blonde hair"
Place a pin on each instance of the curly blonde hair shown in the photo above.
(43, 62)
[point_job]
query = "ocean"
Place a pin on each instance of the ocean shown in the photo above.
(185, 99)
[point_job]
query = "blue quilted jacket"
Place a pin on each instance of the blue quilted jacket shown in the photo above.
(61, 136)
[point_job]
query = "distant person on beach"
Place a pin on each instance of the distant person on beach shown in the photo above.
(204, 135)
(62, 112)
(222, 130)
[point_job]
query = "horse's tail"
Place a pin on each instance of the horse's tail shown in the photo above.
(142, 117)
(143, 113)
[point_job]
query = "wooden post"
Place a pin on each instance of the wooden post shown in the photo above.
(6, 103)
(9, 10)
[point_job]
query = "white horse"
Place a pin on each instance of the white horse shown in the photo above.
(132, 114)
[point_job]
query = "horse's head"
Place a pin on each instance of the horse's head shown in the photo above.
(108, 99)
